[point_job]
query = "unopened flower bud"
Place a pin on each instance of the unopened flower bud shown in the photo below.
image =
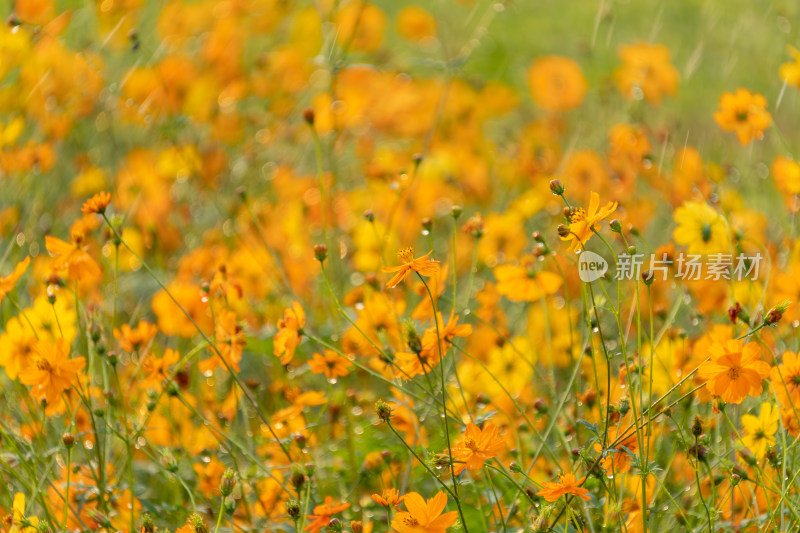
(68, 439)
(456, 211)
(615, 226)
(383, 410)
(298, 477)
(147, 523)
(228, 482)
(197, 523)
(169, 462)
(624, 406)
(308, 116)
(556, 187)
(229, 504)
(697, 426)
(369, 216)
(563, 231)
(320, 252)
(776, 313)
(293, 509)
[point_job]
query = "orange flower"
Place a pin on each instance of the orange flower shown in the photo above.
(96, 204)
(582, 222)
(157, 368)
(208, 475)
(646, 69)
(331, 364)
(230, 341)
(133, 339)
(290, 331)
(416, 24)
(7, 283)
(567, 484)
(389, 497)
(734, 372)
(422, 265)
(322, 514)
(788, 389)
(557, 83)
(476, 447)
(744, 113)
(618, 459)
(424, 517)
(73, 257)
(522, 283)
(53, 372)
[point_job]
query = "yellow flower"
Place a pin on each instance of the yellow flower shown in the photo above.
(19, 522)
(700, 228)
(522, 283)
(790, 72)
(760, 431)
(744, 113)
(582, 222)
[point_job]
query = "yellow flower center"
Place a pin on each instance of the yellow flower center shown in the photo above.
(734, 371)
(406, 255)
(44, 364)
(409, 520)
(470, 443)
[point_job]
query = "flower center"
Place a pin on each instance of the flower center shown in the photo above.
(470, 443)
(734, 371)
(44, 364)
(410, 520)
(406, 255)
(705, 232)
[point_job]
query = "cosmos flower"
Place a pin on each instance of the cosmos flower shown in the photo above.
(745, 114)
(322, 514)
(734, 372)
(476, 447)
(52, 371)
(389, 497)
(759, 431)
(700, 228)
(330, 363)
(96, 204)
(290, 332)
(583, 222)
(7, 283)
(567, 484)
(424, 517)
(423, 265)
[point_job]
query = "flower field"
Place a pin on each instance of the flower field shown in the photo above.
(380, 266)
